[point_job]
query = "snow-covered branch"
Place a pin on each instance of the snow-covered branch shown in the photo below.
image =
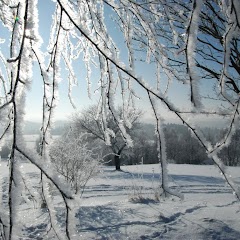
(194, 43)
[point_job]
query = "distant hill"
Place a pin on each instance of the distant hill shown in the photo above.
(32, 128)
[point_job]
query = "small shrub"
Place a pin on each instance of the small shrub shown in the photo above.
(73, 159)
(143, 194)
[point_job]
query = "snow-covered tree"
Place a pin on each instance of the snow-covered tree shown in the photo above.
(88, 122)
(174, 37)
(74, 160)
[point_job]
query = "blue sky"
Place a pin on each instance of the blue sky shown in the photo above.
(34, 95)
(179, 94)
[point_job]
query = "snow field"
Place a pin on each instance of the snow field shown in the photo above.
(107, 210)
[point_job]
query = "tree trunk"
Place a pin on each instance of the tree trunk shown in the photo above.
(117, 162)
(117, 158)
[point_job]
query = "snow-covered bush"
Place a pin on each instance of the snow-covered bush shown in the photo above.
(73, 159)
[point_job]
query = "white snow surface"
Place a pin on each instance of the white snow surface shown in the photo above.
(109, 207)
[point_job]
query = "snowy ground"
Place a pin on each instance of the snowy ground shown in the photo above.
(112, 207)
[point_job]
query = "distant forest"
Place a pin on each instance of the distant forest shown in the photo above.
(181, 146)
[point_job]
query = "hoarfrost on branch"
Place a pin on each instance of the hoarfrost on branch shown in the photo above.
(162, 34)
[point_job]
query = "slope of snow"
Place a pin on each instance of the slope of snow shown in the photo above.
(122, 205)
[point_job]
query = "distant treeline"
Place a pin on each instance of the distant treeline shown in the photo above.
(181, 146)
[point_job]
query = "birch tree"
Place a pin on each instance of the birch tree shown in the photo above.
(174, 37)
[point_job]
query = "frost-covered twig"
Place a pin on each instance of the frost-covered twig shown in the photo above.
(154, 33)
(162, 153)
(190, 49)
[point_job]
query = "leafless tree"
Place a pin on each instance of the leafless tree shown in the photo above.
(179, 38)
(74, 160)
(88, 122)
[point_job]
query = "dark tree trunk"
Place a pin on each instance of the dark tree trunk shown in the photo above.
(117, 159)
(117, 162)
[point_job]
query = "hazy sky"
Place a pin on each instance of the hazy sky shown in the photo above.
(178, 93)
